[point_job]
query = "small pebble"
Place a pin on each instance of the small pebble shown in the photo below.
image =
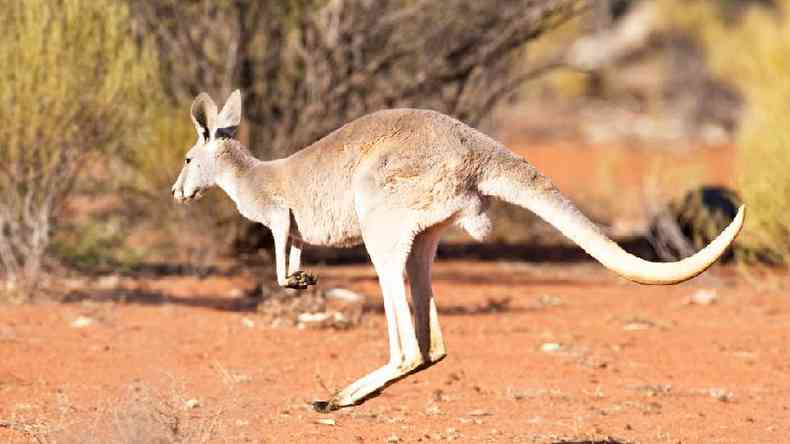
(549, 347)
(703, 297)
(344, 295)
(192, 403)
(313, 317)
(636, 326)
(721, 394)
(82, 322)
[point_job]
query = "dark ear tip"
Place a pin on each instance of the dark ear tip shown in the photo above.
(226, 133)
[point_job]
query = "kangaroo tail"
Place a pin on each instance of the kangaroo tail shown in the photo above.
(514, 180)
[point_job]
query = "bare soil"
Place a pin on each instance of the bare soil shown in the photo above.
(539, 352)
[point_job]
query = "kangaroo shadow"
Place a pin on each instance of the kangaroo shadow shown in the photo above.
(485, 251)
(145, 297)
(471, 278)
(492, 306)
(246, 304)
(586, 441)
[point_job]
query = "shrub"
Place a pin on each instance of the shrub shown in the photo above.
(308, 66)
(751, 52)
(72, 85)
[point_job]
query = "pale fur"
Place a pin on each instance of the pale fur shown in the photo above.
(395, 180)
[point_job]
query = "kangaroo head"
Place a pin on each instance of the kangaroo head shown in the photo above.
(200, 166)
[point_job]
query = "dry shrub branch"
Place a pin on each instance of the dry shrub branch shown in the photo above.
(308, 66)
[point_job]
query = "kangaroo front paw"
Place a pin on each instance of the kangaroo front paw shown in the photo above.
(300, 280)
(325, 406)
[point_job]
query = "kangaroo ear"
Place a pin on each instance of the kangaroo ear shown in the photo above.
(204, 115)
(230, 117)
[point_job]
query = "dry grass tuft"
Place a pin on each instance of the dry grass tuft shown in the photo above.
(144, 415)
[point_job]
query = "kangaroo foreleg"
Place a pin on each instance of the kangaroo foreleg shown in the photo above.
(288, 273)
(280, 226)
(295, 256)
(297, 278)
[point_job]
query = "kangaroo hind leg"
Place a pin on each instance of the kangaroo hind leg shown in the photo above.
(388, 241)
(426, 320)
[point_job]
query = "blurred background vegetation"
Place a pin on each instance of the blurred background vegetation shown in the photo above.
(749, 47)
(94, 97)
(68, 66)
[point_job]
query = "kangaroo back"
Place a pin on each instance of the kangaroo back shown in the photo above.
(513, 179)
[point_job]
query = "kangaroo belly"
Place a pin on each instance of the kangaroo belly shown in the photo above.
(327, 227)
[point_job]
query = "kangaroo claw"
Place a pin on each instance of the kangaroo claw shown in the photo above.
(300, 280)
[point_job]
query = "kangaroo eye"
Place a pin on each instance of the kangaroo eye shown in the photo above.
(188, 160)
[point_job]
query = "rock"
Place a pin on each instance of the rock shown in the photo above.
(82, 322)
(703, 297)
(327, 421)
(721, 394)
(341, 294)
(549, 301)
(636, 326)
(324, 319)
(192, 403)
(550, 347)
(339, 319)
(314, 317)
(247, 322)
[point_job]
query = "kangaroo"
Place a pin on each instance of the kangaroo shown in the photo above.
(395, 180)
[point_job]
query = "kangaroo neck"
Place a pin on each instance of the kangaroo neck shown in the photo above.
(234, 165)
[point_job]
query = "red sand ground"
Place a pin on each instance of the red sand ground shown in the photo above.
(537, 353)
